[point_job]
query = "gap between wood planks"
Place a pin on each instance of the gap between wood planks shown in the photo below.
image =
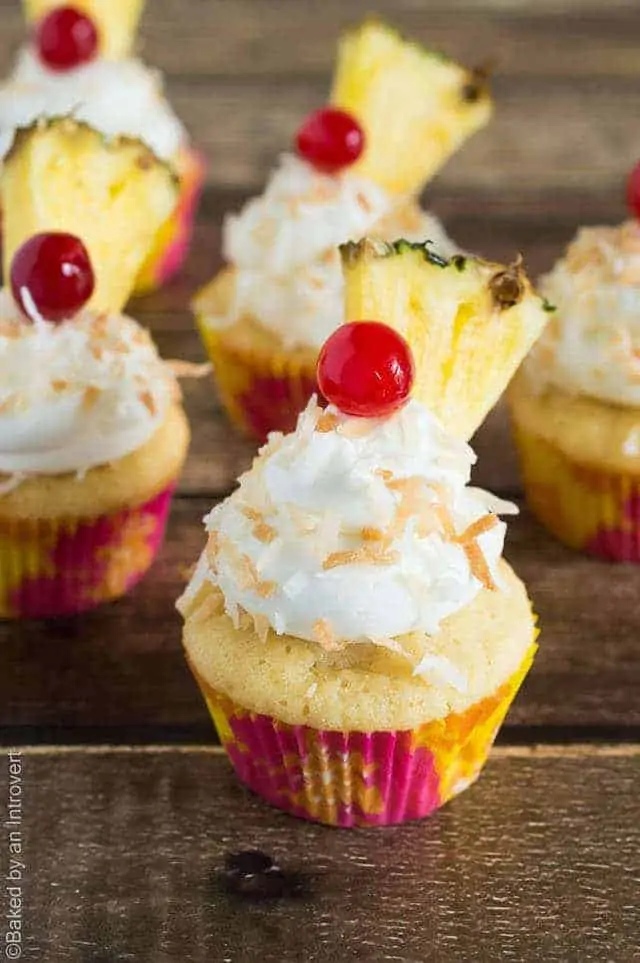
(565, 751)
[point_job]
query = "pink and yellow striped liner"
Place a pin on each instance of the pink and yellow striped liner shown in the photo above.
(261, 392)
(60, 567)
(174, 239)
(361, 778)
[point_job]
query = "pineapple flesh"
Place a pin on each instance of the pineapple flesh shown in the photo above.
(469, 322)
(415, 107)
(61, 175)
(116, 20)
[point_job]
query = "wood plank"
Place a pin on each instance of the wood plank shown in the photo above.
(118, 672)
(123, 853)
(565, 88)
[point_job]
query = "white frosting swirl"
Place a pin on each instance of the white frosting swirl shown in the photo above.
(121, 97)
(78, 394)
(592, 345)
(283, 246)
(352, 530)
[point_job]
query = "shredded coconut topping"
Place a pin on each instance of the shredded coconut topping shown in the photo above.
(370, 536)
(283, 246)
(592, 344)
(77, 394)
(114, 97)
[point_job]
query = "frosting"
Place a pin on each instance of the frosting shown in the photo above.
(354, 530)
(592, 344)
(283, 246)
(77, 394)
(115, 97)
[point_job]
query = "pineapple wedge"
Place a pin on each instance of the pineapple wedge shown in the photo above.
(416, 107)
(469, 322)
(61, 175)
(116, 20)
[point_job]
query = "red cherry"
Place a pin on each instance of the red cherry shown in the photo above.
(633, 191)
(52, 274)
(66, 38)
(330, 139)
(366, 369)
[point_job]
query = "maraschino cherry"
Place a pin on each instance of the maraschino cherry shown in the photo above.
(66, 38)
(366, 369)
(633, 191)
(51, 276)
(330, 139)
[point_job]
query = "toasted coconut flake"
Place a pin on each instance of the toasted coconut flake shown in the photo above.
(248, 573)
(369, 554)
(477, 528)
(370, 534)
(59, 384)
(90, 396)
(363, 202)
(384, 473)
(149, 402)
(189, 369)
(324, 635)
(446, 521)
(264, 533)
(266, 590)
(327, 422)
(251, 513)
(479, 566)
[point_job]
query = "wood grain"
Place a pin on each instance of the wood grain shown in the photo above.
(118, 673)
(124, 849)
(565, 86)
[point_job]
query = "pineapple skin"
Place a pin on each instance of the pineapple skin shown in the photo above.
(117, 21)
(416, 107)
(469, 322)
(61, 175)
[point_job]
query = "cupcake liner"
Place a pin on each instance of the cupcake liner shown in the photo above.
(54, 567)
(595, 511)
(174, 239)
(260, 392)
(360, 778)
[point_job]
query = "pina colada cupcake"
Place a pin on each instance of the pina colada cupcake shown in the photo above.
(351, 622)
(79, 62)
(576, 402)
(92, 432)
(397, 112)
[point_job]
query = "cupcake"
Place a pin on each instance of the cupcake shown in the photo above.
(79, 62)
(92, 433)
(575, 404)
(397, 113)
(356, 633)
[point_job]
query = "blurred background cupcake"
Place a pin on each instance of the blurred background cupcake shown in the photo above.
(92, 432)
(265, 316)
(575, 404)
(355, 632)
(79, 60)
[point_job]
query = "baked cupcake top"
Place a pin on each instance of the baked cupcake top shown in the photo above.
(116, 97)
(592, 343)
(354, 530)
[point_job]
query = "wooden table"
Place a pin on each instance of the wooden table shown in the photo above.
(128, 806)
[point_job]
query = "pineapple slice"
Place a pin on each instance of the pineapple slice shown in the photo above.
(416, 107)
(61, 175)
(469, 322)
(116, 20)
